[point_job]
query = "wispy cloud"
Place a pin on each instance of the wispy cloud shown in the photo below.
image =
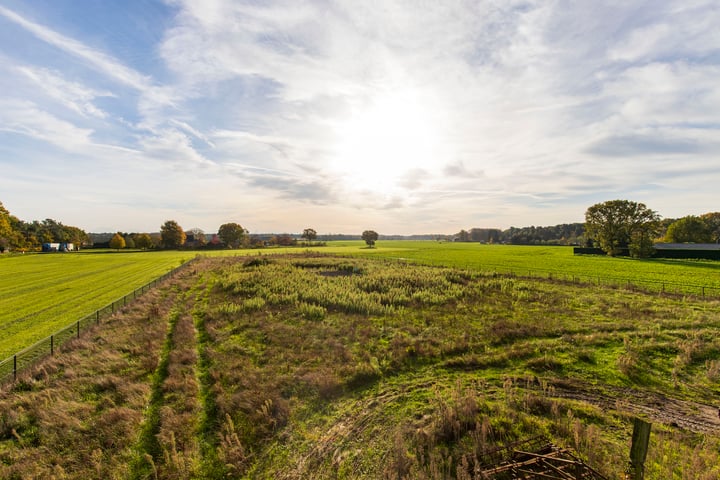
(457, 113)
(101, 61)
(27, 119)
(72, 95)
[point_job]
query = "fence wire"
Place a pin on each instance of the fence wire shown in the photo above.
(12, 366)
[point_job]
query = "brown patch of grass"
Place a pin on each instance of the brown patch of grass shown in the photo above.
(80, 415)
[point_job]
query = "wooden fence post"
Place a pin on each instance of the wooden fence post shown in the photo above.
(78, 329)
(639, 448)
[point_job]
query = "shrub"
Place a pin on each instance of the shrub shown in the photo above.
(253, 304)
(311, 312)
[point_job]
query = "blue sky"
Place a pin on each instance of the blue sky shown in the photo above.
(399, 116)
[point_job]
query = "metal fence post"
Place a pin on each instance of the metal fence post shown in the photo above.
(52, 344)
(78, 329)
(14, 367)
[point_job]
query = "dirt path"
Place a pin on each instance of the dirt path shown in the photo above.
(684, 414)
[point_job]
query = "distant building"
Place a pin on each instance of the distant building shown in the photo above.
(700, 251)
(687, 246)
(58, 247)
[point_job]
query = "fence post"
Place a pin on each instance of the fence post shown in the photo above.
(142, 290)
(639, 448)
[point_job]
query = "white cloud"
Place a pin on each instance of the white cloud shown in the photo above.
(99, 60)
(173, 146)
(489, 111)
(640, 43)
(72, 95)
(27, 119)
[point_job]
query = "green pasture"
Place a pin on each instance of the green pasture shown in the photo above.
(42, 293)
(677, 276)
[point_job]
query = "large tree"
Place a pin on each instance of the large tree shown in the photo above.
(172, 235)
(117, 241)
(143, 241)
(712, 220)
(309, 234)
(76, 235)
(690, 229)
(198, 236)
(232, 234)
(6, 231)
(283, 240)
(618, 224)
(370, 237)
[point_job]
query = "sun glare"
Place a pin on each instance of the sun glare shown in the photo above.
(380, 143)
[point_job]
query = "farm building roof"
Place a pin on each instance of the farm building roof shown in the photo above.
(687, 246)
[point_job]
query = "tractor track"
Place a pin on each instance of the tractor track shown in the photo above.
(684, 414)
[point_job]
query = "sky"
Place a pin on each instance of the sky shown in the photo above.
(404, 117)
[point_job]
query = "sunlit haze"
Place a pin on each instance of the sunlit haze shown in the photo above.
(397, 116)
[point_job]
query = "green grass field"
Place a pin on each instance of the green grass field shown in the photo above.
(40, 294)
(320, 366)
(680, 276)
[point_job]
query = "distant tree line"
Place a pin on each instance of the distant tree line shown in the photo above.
(173, 236)
(16, 234)
(613, 226)
(693, 229)
(565, 234)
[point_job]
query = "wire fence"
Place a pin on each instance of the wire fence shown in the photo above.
(12, 366)
(15, 364)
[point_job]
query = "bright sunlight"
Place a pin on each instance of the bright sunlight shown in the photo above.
(383, 141)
